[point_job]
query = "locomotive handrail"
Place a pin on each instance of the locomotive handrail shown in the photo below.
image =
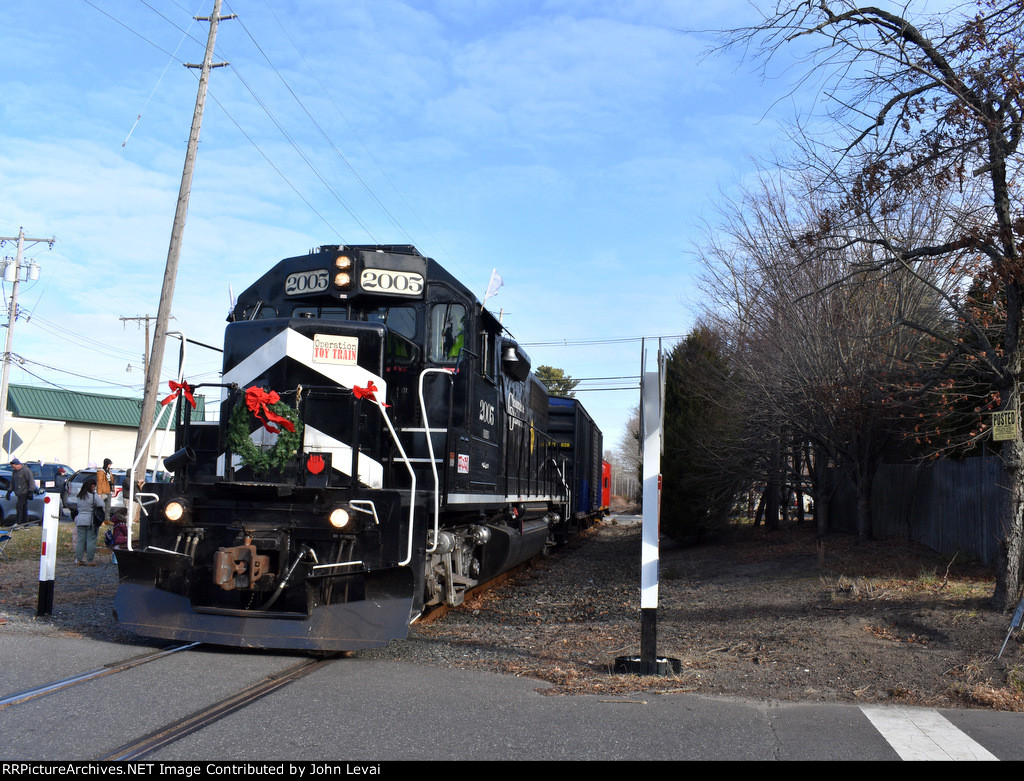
(430, 450)
(145, 444)
(412, 478)
(565, 485)
(569, 499)
(154, 498)
(355, 505)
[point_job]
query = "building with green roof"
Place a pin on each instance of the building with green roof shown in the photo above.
(74, 428)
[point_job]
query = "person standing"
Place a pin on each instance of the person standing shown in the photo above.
(89, 503)
(24, 486)
(105, 486)
(72, 507)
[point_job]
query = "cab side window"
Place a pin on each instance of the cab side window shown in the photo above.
(447, 332)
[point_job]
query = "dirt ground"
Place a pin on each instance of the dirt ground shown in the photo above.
(756, 615)
(753, 614)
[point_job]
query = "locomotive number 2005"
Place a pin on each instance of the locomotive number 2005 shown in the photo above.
(306, 282)
(403, 283)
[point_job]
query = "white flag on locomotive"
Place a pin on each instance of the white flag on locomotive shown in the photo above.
(495, 283)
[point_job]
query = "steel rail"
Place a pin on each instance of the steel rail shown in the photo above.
(113, 667)
(218, 710)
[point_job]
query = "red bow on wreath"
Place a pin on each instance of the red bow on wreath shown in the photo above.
(260, 401)
(367, 393)
(179, 388)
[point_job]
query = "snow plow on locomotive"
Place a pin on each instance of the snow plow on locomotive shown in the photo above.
(382, 447)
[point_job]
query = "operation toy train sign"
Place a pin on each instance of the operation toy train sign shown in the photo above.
(331, 348)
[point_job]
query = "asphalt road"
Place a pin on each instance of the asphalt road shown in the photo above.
(379, 711)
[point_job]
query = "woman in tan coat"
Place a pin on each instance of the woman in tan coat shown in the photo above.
(104, 487)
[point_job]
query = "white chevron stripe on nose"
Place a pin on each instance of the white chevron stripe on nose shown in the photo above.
(371, 472)
(299, 348)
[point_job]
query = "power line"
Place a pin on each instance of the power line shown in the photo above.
(23, 360)
(326, 137)
(579, 342)
(356, 135)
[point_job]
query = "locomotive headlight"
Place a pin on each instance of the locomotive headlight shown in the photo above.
(340, 517)
(177, 511)
(343, 264)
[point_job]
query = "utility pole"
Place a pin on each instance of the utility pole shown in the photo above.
(13, 274)
(156, 355)
(145, 352)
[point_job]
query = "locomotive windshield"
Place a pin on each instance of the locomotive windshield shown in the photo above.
(400, 319)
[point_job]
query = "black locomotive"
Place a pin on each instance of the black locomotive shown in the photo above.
(382, 447)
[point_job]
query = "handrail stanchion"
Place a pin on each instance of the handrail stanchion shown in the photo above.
(145, 445)
(430, 450)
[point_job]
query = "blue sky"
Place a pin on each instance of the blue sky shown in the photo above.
(573, 146)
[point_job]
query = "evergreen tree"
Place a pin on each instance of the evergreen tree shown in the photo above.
(699, 486)
(557, 381)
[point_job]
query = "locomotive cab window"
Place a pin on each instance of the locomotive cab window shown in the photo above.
(400, 319)
(447, 332)
(262, 312)
(322, 312)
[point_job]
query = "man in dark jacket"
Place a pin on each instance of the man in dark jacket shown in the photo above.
(24, 486)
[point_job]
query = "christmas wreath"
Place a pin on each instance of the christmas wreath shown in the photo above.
(276, 417)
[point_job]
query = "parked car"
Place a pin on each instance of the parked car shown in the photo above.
(72, 487)
(49, 476)
(9, 507)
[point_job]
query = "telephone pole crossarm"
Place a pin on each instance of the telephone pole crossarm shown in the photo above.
(12, 313)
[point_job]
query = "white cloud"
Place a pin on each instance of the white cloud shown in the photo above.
(567, 143)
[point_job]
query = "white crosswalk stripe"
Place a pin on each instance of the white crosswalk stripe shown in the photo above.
(918, 734)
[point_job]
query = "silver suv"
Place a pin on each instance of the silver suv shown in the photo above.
(72, 487)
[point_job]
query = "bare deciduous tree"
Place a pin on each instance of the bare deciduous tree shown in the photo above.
(926, 101)
(820, 348)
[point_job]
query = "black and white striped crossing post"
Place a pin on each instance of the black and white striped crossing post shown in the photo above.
(652, 407)
(47, 554)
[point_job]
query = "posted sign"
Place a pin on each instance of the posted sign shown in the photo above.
(1004, 425)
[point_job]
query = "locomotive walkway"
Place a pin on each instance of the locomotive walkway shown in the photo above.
(360, 710)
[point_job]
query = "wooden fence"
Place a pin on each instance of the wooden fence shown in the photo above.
(950, 506)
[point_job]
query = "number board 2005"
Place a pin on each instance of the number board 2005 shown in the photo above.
(302, 282)
(402, 283)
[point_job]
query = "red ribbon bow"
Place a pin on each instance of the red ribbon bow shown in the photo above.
(367, 393)
(179, 388)
(260, 401)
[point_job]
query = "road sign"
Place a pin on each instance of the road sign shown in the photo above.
(12, 441)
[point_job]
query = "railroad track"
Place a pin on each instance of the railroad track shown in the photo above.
(440, 611)
(147, 744)
(208, 715)
(75, 680)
